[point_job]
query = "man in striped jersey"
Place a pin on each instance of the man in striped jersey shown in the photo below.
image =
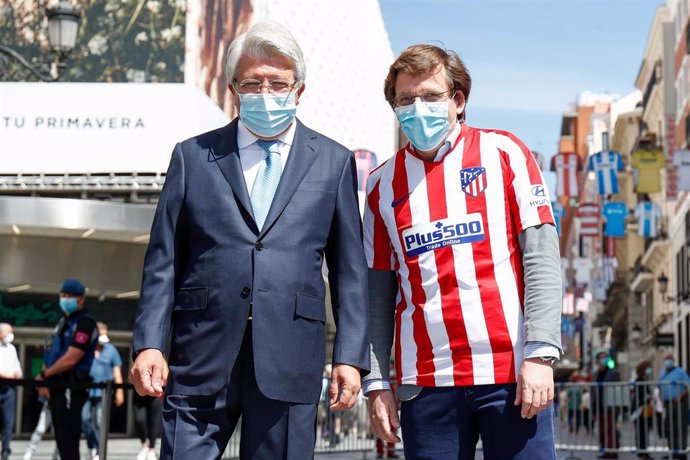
(464, 271)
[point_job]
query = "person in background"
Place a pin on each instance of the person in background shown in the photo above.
(675, 397)
(147, 422)
(585, 408)
(641, 405)
(68, 359)
(605, 407)
(45, 421)
(574, 402)
(9, 369)
(106, 367)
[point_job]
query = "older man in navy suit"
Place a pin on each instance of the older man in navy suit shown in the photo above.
(233, 292)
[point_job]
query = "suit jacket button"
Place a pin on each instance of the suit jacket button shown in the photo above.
(259, 246)
(245, 291)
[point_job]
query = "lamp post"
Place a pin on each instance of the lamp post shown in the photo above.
(63, 23)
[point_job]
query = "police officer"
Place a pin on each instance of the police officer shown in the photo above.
(68, 358)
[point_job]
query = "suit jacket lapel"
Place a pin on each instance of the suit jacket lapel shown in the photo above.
(225, 154)
(302, 155)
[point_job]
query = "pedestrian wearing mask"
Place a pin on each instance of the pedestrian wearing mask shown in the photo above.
(106, 367)
(233, 297)
(465, 268)
(675, 397)
(68, 358)
(9, 369)
(642, 407)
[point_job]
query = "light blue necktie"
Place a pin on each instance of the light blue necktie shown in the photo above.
(266, 181)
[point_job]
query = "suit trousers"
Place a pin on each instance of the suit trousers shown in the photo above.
(445, 423)
(201, 426)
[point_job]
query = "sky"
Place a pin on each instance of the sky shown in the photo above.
(529, 59)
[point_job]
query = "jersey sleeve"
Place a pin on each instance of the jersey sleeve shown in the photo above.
(553, 162)
(84, 334)
(635, 158)
(619, 162)
(527, 192)
(377, 246)
(590, 163)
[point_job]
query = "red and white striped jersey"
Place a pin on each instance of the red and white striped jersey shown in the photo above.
(449, 229)
(566, 166)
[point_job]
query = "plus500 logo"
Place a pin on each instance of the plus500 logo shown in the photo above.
(441, 233)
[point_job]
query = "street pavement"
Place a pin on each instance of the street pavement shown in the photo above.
(127, 449)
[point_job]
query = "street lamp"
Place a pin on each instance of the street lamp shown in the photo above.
(63, 23)
(662, 280)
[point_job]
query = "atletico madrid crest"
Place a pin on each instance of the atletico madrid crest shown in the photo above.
(473, 180)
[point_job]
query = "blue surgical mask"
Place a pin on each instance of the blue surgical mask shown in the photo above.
(68, 304)
(267, 114)
(649, 371)
(668, 363)
(424, 123)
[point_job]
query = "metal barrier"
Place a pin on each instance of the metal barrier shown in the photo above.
(341, 431)
(622, 417)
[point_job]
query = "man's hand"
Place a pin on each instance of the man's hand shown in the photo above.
(42, 391)
(534, 387)
(383, 413)
(149, 373)
(345, 385)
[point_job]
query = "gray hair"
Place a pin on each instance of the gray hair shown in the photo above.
(263, 40)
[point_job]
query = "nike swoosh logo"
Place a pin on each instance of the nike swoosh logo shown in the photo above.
(394, 203)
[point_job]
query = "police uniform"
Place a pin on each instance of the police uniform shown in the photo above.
(78, 330)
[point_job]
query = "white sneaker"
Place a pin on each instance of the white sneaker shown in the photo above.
(143, 453)
(28, 456)
(151, 455)
(94, 454)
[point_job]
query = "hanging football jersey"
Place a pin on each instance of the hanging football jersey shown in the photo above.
(615, 214)
(648, 164)
(648, 216)
(681, 160)
(566, 166)
(606, 165)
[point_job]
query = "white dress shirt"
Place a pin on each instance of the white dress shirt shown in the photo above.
(9, 361)
(252, 155)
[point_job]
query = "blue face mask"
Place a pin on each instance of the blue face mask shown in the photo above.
(267, 114)
(668, 363)
(68, 304)
(649, 371)
(424, 123)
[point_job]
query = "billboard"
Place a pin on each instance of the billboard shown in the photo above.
(172, 53)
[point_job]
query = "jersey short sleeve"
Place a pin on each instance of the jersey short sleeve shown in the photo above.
(532, 204)
(84, 334)
(377, 246)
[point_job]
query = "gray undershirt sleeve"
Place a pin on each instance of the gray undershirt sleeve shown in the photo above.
(383, 288)
(543, 286)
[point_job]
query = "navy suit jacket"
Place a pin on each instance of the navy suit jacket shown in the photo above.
(207, 262)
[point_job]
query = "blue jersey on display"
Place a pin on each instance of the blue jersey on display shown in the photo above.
(615, 214)
(558, 214)
(606, 165)
(648, 216)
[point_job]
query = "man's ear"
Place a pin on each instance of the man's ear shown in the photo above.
(299, 92)
(459, 99)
